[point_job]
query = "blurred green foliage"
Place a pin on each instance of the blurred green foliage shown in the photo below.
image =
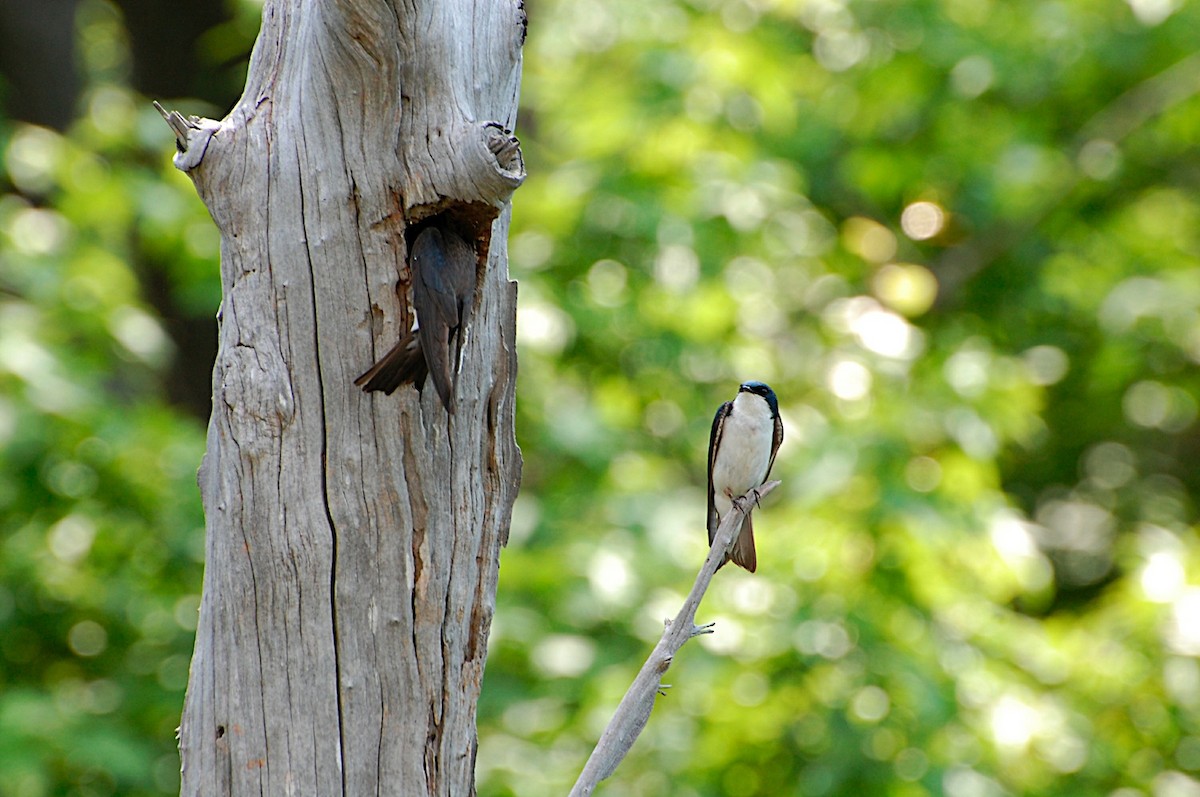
(959, 238)
(101, 532)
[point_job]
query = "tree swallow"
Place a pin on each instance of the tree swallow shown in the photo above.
(746, 434)
(443, 295)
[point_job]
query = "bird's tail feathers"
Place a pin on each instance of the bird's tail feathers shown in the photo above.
(404, 363)
(742, 554)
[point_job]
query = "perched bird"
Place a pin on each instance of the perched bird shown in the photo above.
(443, 269)
(746, 434)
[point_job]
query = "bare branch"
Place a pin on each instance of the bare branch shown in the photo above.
(634, 710)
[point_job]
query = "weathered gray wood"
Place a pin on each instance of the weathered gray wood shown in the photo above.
(352, 539)
(633, 712)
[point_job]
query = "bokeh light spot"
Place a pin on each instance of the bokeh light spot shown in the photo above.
(848, 380)
(972, 76)
(885, 334)
(923, 474)
(1187, 753)
(140, 334)
(962, 781)
(871, 704)
(1046, 365)
(543, 327)
(610, 577)
(530, 250)
(1099, 159)
(71, 538)
(87, 638)
(907, 288)
(1183, 633)
(922, 220)
(967, 371)
(750, 689)
(1163, 577)
(606, 281)
(822, 638)
(32, 157)
(838, 50)
(663, 418)
(677, 268)
(38, 232)
(869, 239)
(1153, 12)
(1110, 465)
(564, 655)
(1151, 404)
(911, 764)
(1013, 722)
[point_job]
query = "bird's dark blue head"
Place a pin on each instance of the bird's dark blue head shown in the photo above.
(764, 390)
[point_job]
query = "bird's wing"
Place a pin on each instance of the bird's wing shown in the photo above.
(433, 283)
(714, 441)
(443, 291)
(776, 439)
(461, 253)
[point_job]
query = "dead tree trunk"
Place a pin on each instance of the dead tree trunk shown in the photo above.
(352, 539)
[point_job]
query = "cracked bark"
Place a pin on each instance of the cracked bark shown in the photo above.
(352, 539)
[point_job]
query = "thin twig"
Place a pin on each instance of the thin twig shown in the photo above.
(179, 126)
(634, 710)
(192, 136)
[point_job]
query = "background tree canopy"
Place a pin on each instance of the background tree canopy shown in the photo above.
(960, 238)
